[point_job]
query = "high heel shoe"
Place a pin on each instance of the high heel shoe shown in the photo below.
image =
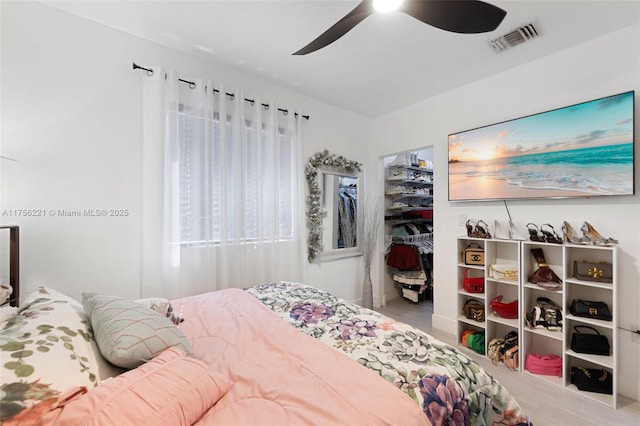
(589, 232)
(500, 231)
(571, 236)
(482, 229)
(534, 233)
(471, 228)
(550, 236)
(513, 232)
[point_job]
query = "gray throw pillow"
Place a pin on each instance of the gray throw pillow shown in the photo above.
(129, 333)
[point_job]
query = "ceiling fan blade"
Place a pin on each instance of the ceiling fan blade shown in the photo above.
(340, 28)
(458, 16)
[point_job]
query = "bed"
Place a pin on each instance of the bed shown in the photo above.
(281, 353)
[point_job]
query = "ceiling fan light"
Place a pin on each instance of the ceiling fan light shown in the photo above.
(386, 5)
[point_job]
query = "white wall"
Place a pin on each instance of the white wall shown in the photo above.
(71, 115)
(602, 67)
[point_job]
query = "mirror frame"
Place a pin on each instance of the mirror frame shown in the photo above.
(318, 164)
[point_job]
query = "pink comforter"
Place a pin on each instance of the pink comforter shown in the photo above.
(280, 376)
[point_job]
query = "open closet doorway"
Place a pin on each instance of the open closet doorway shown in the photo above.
(408, 236)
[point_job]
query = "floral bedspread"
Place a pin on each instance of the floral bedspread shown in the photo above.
(451, 388)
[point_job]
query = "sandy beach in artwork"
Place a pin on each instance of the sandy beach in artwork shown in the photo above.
(481, 188)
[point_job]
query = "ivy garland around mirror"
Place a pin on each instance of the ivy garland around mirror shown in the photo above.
(315, 212)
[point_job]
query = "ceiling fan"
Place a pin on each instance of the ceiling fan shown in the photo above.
(458, 16)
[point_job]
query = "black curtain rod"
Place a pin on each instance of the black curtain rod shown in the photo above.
(192, 85)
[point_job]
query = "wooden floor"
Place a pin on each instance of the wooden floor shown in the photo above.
(546, 405)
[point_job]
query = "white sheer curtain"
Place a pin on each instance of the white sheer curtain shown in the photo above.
(221, 189)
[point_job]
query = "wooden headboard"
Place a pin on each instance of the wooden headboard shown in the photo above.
(14, 263)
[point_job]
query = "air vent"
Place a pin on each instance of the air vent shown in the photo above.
(514, 38)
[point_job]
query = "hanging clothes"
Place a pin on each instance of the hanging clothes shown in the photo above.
(404, 257)
(411, 254)
(347, 218)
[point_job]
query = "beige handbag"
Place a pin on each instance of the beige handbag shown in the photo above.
(504, 272)
(511, 357)
(473, 255)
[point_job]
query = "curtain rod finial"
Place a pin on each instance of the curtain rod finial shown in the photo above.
(138, 67)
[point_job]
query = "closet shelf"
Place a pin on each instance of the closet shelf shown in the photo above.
(410, 239)
(408, 217)
(394, 220)
(410, 209)
(406, 167)
(557, 335)
(410, 181)
(607, 286)
(398, 196)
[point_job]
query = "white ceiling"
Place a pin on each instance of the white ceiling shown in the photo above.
(387, 62)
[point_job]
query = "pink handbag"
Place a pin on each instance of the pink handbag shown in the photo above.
(511, 358)
(549, 365)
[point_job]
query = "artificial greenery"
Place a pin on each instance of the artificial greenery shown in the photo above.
(315, 212)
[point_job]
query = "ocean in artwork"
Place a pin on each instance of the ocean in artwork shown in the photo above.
(600, 170)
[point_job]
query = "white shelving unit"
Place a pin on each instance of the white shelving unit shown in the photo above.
(465, 323)
(560, 258)
(408, 189)
(502, 252)
(589, 290)
(536, 340)
(409, 199)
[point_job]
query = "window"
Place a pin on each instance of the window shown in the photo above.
(234, 186)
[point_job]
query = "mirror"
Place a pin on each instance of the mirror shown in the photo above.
(340, 200)
(333, 217)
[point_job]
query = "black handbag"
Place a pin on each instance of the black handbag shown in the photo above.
(592, 380)
(545, 314)
(589, 343)
(590, 309)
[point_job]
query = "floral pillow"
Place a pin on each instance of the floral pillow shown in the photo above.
(45, 348)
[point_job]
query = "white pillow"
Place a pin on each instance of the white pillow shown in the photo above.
(6, 313)
(129, 333)
(5, 293)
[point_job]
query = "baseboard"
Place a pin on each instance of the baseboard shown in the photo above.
(378, 301)
(444, 324)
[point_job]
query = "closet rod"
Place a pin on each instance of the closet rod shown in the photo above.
(192, 85)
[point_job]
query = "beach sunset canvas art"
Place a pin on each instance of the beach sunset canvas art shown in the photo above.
(582, 150)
